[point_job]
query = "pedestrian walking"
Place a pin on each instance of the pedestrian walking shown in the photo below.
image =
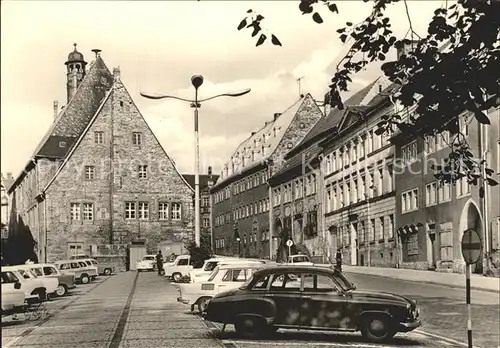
(159, 262)
(338, 259)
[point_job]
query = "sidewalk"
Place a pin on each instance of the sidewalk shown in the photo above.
(454, 280)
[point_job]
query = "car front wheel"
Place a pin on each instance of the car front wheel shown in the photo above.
(85, 279)
(177, 277)
(107, 271)
(61, 290)
(250, 327)
(377, 328)
(203, 303)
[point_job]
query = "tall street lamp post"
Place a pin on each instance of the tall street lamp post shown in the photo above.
(197, 81)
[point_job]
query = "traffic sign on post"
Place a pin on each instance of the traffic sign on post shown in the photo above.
(471, 251)
(471, 246)
(289, 243)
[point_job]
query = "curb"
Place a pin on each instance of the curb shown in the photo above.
(427, 282)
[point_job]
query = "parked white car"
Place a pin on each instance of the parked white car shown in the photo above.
(50, 284)
(31, 286)
(300, 260)
(12, 293)
(202, 274)
(223, 278)
(179, 268)
(83, 273)
(147, 263)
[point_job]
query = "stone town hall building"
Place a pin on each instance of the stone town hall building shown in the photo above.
(99, 177)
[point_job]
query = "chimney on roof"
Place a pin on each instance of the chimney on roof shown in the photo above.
(379, 88)
(326, 104)
(210, 170)
(405, 47)
(116, 73)
(56, 109)
(97, 52)
(276, 115)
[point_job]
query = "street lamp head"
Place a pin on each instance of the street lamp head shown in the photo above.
(238, 239)
(197, 81)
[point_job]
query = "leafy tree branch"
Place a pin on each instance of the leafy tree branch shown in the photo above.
(450, 72)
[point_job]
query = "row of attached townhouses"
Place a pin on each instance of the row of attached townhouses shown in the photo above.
(327, 181)
(99, 180)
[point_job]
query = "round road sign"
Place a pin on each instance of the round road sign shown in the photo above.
(289, 243)
(471, 246)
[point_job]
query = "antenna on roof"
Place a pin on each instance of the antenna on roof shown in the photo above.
(300, 85)
(97, 52)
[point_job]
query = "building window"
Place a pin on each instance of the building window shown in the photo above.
(206, 222)
(89, 172)
(88, 211)
(136, 138)
(446, 245)
(431, 194)
(369, 142)
(176, 211)
(409, 152)
(205, 201)
(143, 210)
(143, 171)
(443, 140)
(409, 201)
(75, 211)
(99, 137)
(381, 233)
(372, 230)
(162, 211)
(62, 144)
(380, 183)
(444, 192)
(328, 200)
(130, 210)
(390, 229)
(430, 144)
(463, 187)
(412, 244)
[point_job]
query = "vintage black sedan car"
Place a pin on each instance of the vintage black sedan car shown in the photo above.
(312, 298)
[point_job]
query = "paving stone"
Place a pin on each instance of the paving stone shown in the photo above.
(170, 343)
(167, 333)
(64, 338)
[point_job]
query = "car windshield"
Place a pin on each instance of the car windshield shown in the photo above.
(341, 279)
(300, 259)
(148, 258)
(94, 262)
(210, 266)
(213, 274)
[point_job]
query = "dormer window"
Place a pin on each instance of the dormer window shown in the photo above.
(62, 144)
(136, 138)
(243, 161)
(255, 143)
(274, 131)
(253, 155)
(264, 138)
(263, 150)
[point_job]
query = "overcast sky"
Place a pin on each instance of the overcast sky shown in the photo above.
(159, 46)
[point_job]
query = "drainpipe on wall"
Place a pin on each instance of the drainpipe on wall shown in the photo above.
(271, 205)
(483, 147)
(45, 226)
(321, 200)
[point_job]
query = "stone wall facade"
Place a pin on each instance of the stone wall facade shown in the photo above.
(116, 162)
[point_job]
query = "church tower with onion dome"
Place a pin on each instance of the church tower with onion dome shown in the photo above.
(75, 72)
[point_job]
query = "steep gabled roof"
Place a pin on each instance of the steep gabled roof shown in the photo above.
(328, 123)
(74, 117)
(273, 132)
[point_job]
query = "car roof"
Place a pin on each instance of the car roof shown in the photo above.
(293, 268)
(242, 265)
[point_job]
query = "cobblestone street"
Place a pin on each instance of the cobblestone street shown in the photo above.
(140, 310)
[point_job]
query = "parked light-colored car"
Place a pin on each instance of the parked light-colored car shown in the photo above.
(223, 278)
(12, 294)
(147, 263)
(202, 274)
(82, 272)
(299, 260)
(31, 286)
(102, 268)
(47, 270)
(50, 284)
(179, 268)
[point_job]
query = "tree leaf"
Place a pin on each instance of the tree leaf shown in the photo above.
(242, 24)
(261, 40)
(333, 8)
(491, 182)
(275, 40)
(250, 11)
(259, 18)
(256, 29)
(343, 37)
(317, 18)
(481, 117)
